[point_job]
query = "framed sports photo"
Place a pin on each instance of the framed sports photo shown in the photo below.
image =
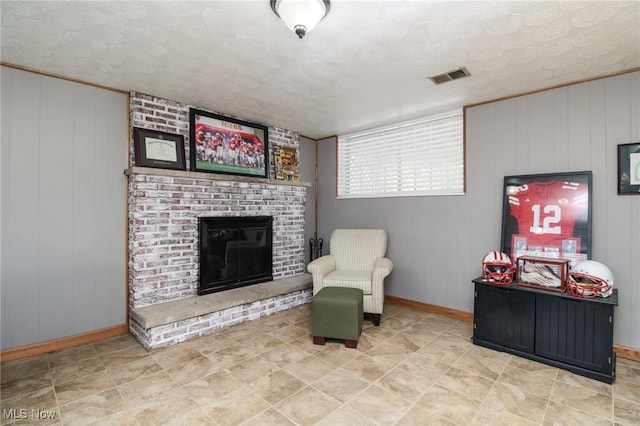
(547, 216)
(220, 144)
(157, 149)
(629, 168)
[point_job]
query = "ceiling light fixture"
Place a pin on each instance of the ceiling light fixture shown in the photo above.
(301, 16)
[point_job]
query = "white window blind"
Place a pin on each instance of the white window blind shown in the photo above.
(418, 157)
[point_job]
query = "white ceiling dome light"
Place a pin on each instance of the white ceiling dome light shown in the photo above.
(301, 16)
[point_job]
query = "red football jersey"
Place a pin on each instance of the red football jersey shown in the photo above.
(549, 209)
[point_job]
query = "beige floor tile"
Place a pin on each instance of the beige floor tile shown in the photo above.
(368, 368)
(345, 416)
(206, 390)
(407, 341)
(489, 415)
(134, 370)
(307, 406)
(284, 355)
(271, 417)
(445, 403)
(511, 398)
(390, 353)
(175, 356)
(401, 381)
(92, 408)
(440, 353)
(588, 400)
(83, 387)
(380, 405)
(480, 365)
(563, 415)
(163, 408)
(252, 369)
(121, 418)
(236, 407)
(424, 368)
(73, 370)
(337, 354)
(193, 417)
(528, 381)
(22, 368)
(341, 385)
(420, 416)
(626, 390)
(584, 382)
(71, 355)
(381, 333)
(454, 341)
(289, 332)
(534, 367)
(42, 399)
(117, 343)
(466, 383)
(230, 355)
(277, 386)
(22, 386)
(626, 412)
(146, 388)
(309, 368)
(628, 373)
(122, 357)
(192, 370)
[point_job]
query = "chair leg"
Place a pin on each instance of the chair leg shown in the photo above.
(375, 318)
(317, 340)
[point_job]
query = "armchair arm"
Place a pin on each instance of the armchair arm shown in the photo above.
(381, 268)
(320, 268)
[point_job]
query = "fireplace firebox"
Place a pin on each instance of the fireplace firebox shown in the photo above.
(234, 252)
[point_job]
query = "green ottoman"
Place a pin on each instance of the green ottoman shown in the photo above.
(337, 314)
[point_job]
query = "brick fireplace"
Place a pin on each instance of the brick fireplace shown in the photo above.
(164, 207)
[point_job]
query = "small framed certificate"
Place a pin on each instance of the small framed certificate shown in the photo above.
(629, 168)
(158, 149)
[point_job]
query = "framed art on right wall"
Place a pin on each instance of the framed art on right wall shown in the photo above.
(629, 168)
(547, 216)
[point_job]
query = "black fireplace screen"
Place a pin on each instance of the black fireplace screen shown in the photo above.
(234, 252)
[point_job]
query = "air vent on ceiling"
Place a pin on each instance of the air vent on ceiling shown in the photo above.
(450, 76)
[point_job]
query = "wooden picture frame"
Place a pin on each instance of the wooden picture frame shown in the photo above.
(629, 169)
(153, 148)
(547, 216)
(220, 144)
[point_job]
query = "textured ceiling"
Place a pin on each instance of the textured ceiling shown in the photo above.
(366, 64)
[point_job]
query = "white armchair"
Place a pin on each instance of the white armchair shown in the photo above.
(355, 260)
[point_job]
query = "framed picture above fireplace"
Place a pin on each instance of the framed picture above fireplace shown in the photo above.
(220, 144)
(157, 149)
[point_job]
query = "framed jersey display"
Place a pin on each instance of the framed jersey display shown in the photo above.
(547, 216)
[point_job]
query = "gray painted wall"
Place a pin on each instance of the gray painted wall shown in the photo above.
(437, 243)
(63, 208)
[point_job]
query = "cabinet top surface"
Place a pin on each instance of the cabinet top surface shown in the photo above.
(611, 300)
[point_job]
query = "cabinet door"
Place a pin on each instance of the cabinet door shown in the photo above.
(504, 316)
(577, 332)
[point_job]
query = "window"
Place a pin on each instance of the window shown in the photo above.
(418, 157)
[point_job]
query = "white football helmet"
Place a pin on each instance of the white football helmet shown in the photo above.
(590, 278)
(497, 268)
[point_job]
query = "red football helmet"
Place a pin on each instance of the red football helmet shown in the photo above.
(497, 268)
(589, 279)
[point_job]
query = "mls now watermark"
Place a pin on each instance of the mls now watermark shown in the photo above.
(23, 414)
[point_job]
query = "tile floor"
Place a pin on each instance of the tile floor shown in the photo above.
(415, 369)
